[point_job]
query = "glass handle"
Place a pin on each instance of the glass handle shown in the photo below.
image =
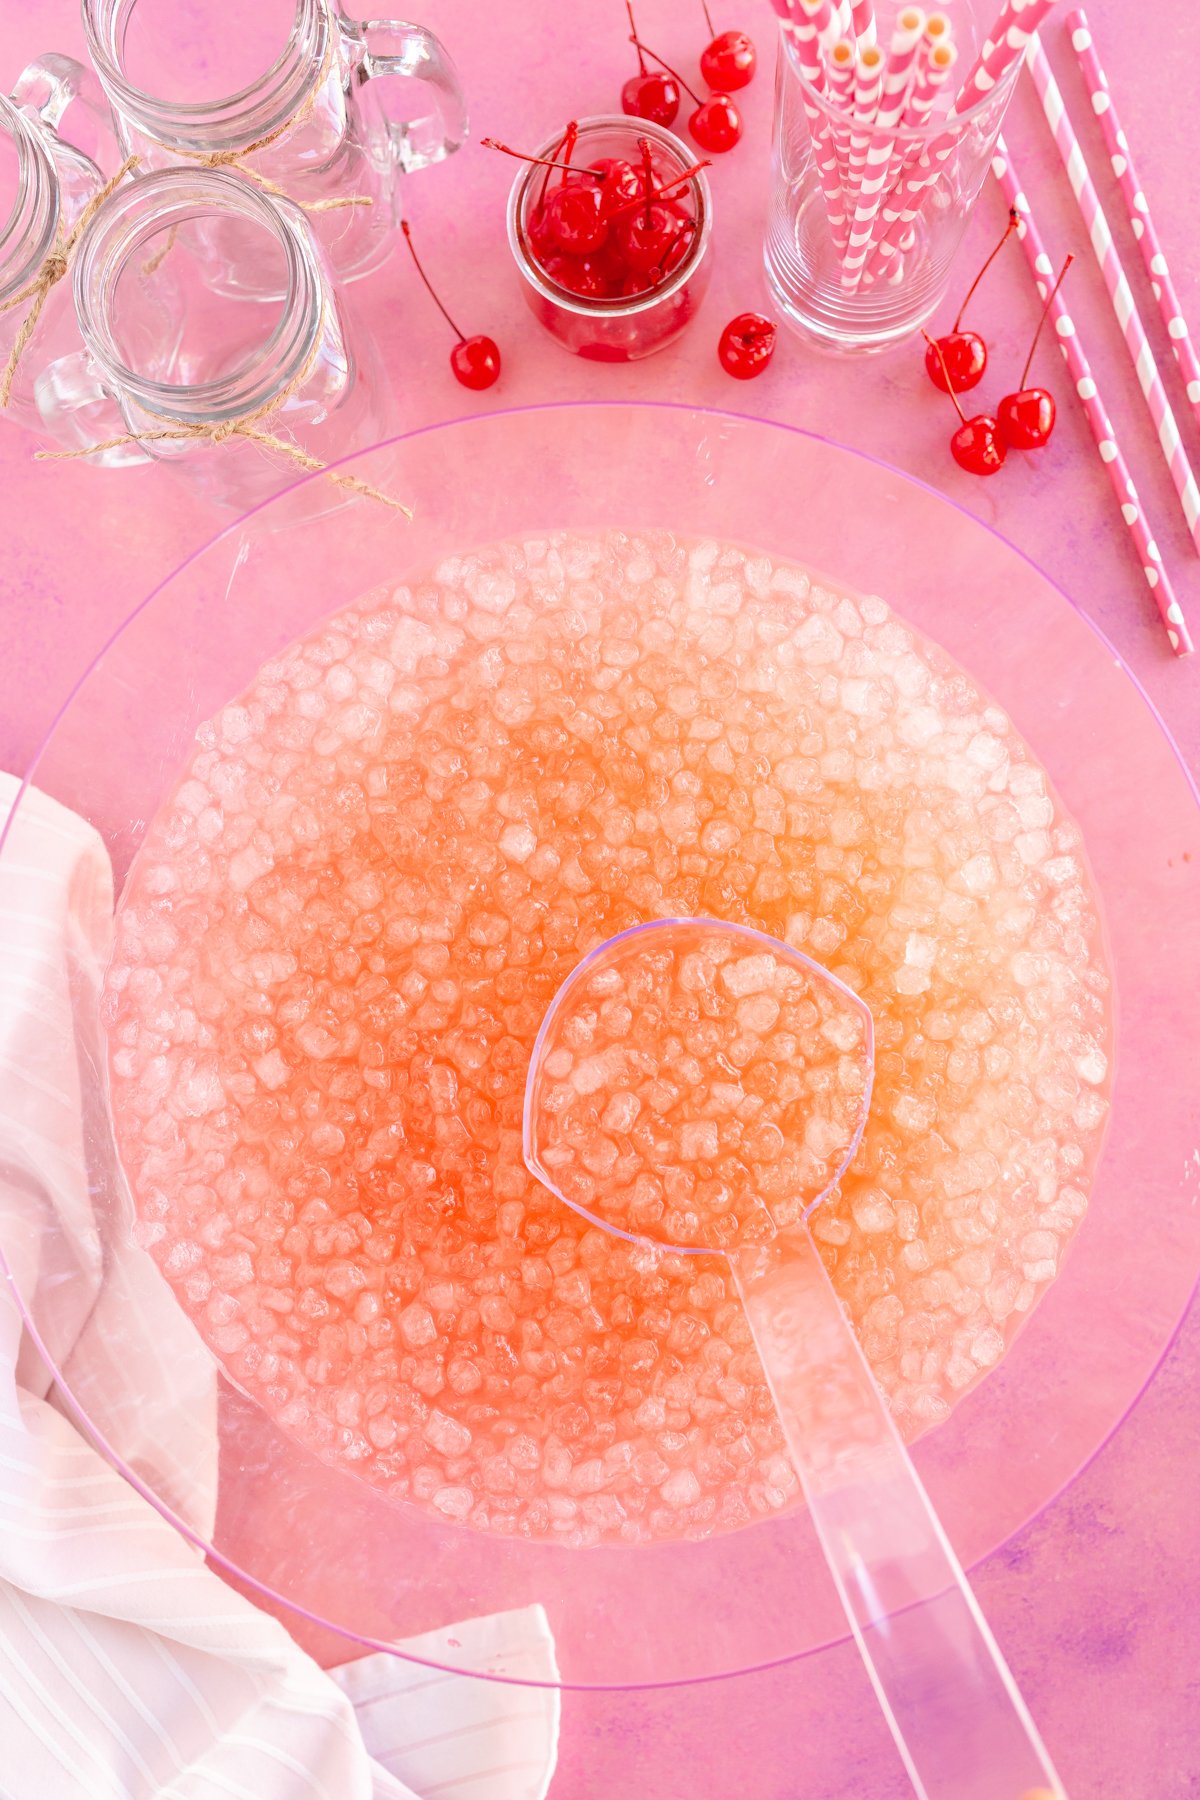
(954, 1710)
(75, 409)
(438, 124)
(71, 404)
(51, 83)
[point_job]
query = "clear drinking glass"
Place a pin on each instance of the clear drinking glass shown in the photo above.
(301, 97)
(621, 330)
(165, 351)
(45, 184)
(904, 282)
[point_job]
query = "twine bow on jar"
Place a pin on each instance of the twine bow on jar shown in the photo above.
(55, 266)
(246, 426)
(235, 159)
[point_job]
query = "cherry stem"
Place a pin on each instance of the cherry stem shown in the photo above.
(568, 149)
(707, 18)
(647, 174)
(633, 38)
(540, 162)
(665, 192)
(1014, 219)
(541, 199)
(1045, 313)
(688, 226)
(424, 277)
(933, 345)
(674, 73)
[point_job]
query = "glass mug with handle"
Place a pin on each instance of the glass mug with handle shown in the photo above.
(231, 394)
(291, 93)
(46, 184)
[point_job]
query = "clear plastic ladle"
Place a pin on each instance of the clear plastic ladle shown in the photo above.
(701, 1087)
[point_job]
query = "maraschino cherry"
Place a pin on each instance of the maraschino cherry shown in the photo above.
(652, 93)
(575, 218)
(581, 275)
(962, 355)
(475, 360)
(618, 182)
(730, 59)
(649, 229)
(1027, 417)
(716, 123)
(977, 445)
(746, 345)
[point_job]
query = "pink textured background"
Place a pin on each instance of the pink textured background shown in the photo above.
(1096, 1604)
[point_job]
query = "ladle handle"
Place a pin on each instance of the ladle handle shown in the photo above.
(957, 1715)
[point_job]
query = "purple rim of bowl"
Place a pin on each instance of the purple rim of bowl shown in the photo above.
(196, 1538)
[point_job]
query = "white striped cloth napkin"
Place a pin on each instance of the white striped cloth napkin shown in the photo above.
(128, 1669)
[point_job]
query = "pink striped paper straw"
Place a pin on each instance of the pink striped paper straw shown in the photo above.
(839, 72)
(935, 59)
(1136, 206)
(933, 71)
(868, 82)
(839, 77)
(1069, 343)
(862, 16)
(785, 12)
(803, 37)
(826, 20)
(907, 38)
(893, 95)
(1128, 317)
(1017, 21)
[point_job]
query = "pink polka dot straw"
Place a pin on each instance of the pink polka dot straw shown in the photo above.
(1136, 205)
(1119, 291)
(1084, 382)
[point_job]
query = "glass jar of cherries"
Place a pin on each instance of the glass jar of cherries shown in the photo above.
(609, 224)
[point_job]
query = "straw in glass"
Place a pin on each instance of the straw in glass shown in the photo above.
(1017, 21)
(897, 79)
(839, 77)
(824, 149)
(935, 59)
(828, 21)
(868, 84)
(862, 15)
